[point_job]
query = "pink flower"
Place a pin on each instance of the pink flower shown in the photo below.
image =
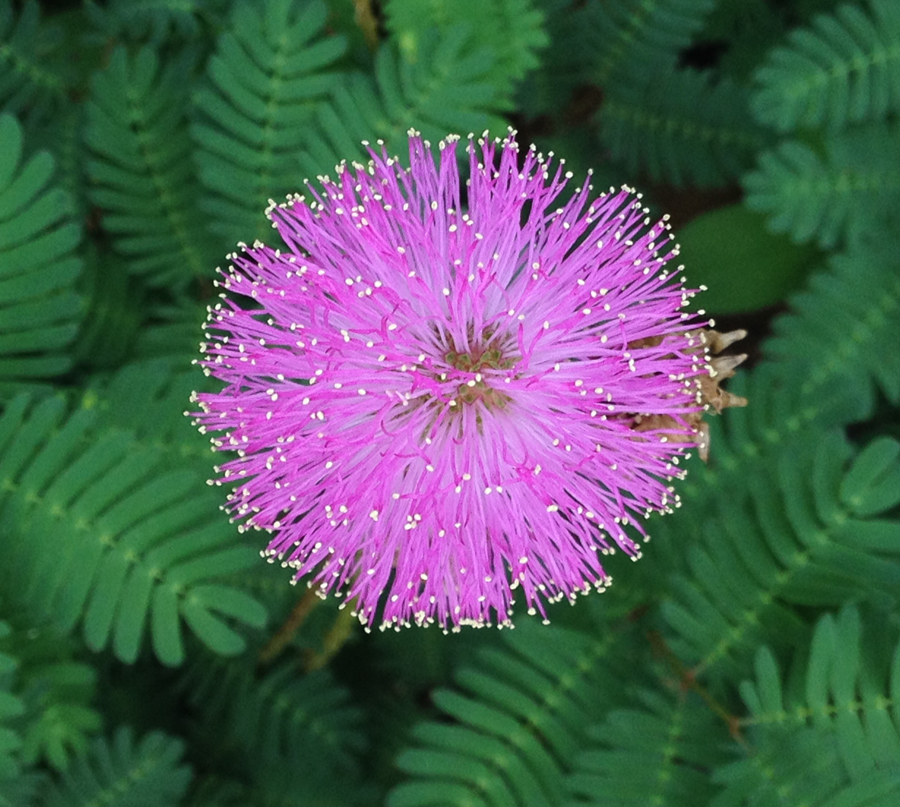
(442, 396)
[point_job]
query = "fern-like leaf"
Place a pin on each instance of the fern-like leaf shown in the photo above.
(828, 366)
(549, 89)
(447, 90)
(286, 712)
(57, 701)
(172, 334)
(659, 754)
(154, 21)
(147, 399)
(800, 767)
(804, 538)
(11, 707)
(640, 39)
(40, 309)
(844, 68)
(848, 690)
(116, 310)
(518, 726)
(125, 773)
(282, 719)
(57, 690)
(841, 323)
(516, 52)
(834, 200)
(103, 532)
(142, 176)
(63, 136)
(270, 70)
(749, 28)
(30, 84)
(681, 128)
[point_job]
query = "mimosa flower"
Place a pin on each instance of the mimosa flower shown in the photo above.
(444, 396)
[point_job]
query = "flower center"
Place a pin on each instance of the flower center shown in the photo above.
(491, 353)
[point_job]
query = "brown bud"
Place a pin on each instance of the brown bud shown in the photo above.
(720, 368)
(711, 395)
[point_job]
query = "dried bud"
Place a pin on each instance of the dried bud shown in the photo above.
(710, 394)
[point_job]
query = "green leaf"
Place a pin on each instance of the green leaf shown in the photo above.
(872, 484)
(742, 264)
(284, 732)
(849, 194)
(211, 630)
(125, 773)
(166, 627)
(682, 128)
(656, 754)
(788, 550)
(446, 90)
(56, 692)
(832, 346)
(158, 21)
(784, 768)
(11, 707)
(842, 69)
(516, 52)
(142, 175)
(844, 697)
(40, 309)
(640, 38)
(517, 725)
(104, 504)
(32, 81)
(271, 69)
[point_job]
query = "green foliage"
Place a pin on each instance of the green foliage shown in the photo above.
(550, 89)
(743, 265)
(63, 138)
(140, 140)
(639, 39)
(40, 309)
(800, 768)
(10, 708)
(152, 20)
(516, 727)
(802, 539)
(844, 695)
(681, 129)
(116, 308)
(171, 333)
(660, 753)
(515, 53)
(143, 543)
(28, 83)
(749, 28)
(56, 689)
(270, 716)
(270, 70)
(56, 698)
(829, 369)
(446, 90)
(281, 731)
(844, 68)
(833, 199)
(124, 773)
(846, 687)
(834, 347)
(142, 177)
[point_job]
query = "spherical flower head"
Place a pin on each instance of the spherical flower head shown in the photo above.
(441, 396)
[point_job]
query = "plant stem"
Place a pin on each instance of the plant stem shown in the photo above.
(283, 636)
